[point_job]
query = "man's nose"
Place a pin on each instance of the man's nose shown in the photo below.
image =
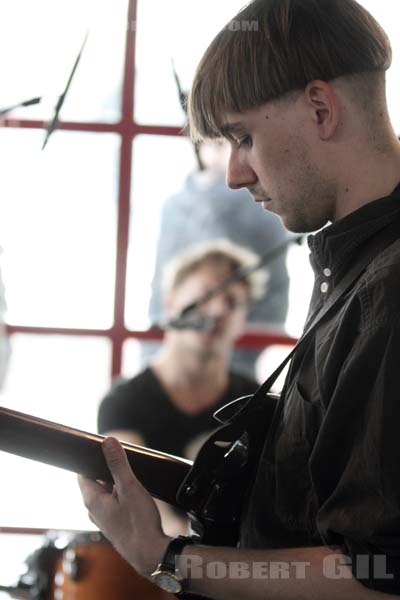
(239, 174)
(218, 306)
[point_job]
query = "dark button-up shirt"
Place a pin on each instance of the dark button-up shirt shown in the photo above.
(334, 474)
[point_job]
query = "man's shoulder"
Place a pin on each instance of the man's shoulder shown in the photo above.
(380, 289)
(126, 388)
(388, 258)
(385, 267)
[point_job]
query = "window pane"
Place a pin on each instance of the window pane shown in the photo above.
(183, 30)
(62, 379)
(131, 358)
(58, 227)
(58, 377)
(301, 284)
(387, 12)
(14, 549)
(159, 167)
(40, 496)
(41, 41)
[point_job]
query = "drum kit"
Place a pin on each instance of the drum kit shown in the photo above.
(85, 567)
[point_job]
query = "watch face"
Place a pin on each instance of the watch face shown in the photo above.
(167, 582)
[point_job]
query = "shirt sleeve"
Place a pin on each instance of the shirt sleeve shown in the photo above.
(355, 464)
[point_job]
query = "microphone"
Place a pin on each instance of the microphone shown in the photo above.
(8, 109)
(17, 591)
(192, 320)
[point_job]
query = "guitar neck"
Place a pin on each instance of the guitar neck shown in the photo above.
(79, 451)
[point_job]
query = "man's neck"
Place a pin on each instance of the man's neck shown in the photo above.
(368, 177)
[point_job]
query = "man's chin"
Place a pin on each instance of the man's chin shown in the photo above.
(296, 225)
(210, 348)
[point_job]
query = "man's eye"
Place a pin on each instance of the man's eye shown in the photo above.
(231, 302)
(244, 141)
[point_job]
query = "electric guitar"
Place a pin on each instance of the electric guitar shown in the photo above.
(212, 489)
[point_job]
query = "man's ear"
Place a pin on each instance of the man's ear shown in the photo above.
(323, 102)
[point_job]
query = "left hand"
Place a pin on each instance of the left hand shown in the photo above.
(125, 512)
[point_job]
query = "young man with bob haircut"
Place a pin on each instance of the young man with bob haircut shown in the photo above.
(301, 98)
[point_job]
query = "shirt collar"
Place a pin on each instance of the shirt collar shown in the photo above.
(335, 245)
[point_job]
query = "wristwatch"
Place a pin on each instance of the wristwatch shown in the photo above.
(167, 576)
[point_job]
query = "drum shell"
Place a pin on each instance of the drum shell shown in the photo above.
(89, 568)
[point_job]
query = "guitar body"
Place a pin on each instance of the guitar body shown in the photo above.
(216, 488)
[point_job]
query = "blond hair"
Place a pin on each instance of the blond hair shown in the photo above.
(216, 251)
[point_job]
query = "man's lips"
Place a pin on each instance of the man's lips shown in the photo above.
(259, 196)
(264, 200)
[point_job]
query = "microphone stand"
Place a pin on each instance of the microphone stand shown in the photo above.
(18, 592)
(190, 318)
(183, 96)
(54, 122)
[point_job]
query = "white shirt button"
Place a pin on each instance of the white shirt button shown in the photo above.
(327, 272)
(324, 287)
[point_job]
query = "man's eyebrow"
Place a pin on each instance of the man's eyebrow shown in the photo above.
(229, 129)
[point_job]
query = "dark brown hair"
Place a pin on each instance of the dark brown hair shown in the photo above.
(273, 47)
